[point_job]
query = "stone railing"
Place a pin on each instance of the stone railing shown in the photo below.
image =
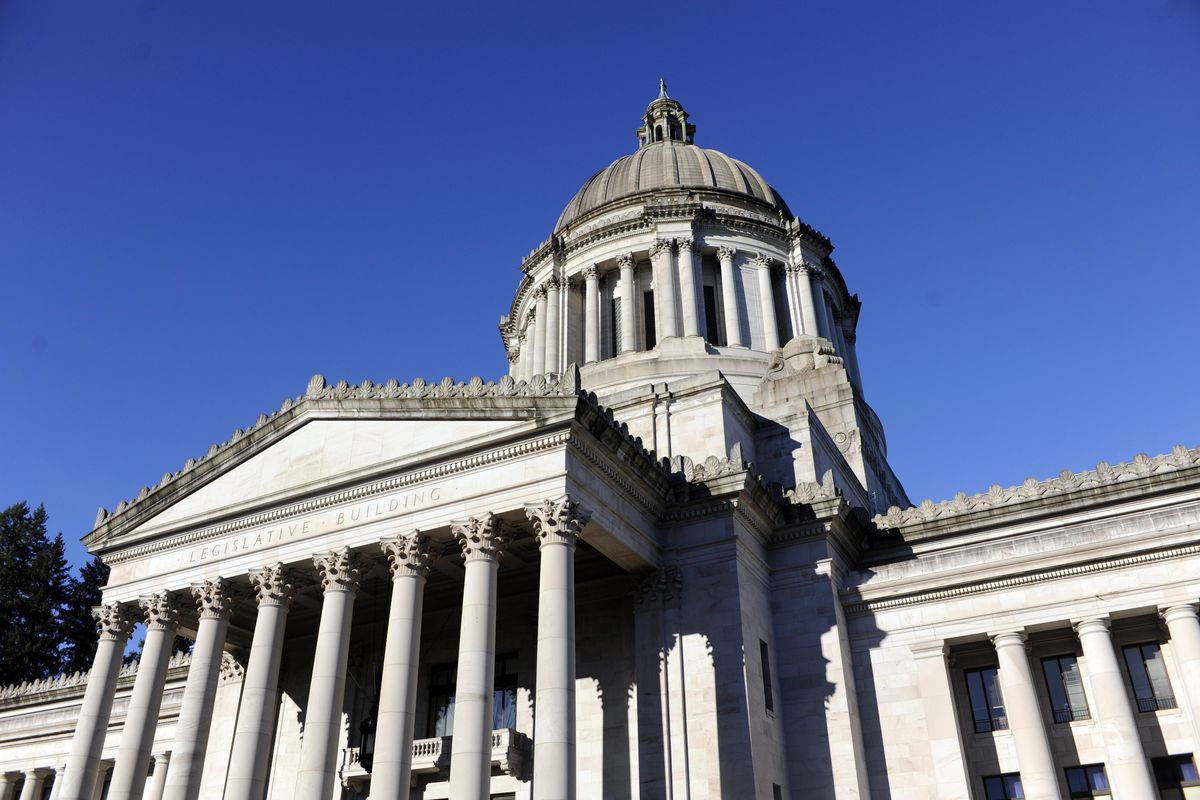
(77, 680)
(511, 750)
(1105, 474)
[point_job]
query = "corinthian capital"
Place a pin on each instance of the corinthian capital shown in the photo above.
(212, 599)
(556, 521)
(590, 273)
(482, 538)
(684, 243)
(539, 292)
(339, 570)
(272, 585)
(408, 555)
(725, 253)
(761, 261)
(161, 611)
(114, 621)
(625, 261)
(660, 246)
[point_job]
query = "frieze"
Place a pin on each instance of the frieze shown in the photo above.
(1142, 466)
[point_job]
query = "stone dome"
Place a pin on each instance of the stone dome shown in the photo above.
(669, 165)
(668, 159)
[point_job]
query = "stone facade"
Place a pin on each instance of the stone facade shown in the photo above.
(664, 557)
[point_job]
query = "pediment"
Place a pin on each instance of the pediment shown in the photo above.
(319, 454)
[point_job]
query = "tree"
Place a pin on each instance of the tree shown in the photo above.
(78, 629)
(33, 584)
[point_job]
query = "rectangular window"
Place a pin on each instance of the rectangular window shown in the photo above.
(1003, 787)
(615, 332)
(442, 679)
(1066, 688)
(1090, 780)
(1149, 677)
(765, 657)
(987, 706)
(776, 791)
(1176, 777)
(648, 316)
(711, 328)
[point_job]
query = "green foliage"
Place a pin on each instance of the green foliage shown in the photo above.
(46, 625)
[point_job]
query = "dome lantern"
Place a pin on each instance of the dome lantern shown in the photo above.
(665, 120)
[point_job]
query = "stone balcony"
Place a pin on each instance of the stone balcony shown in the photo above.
(511, 751)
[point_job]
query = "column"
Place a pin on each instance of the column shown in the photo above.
(158, 780)
(808, 311)
(57, 785)
(409, 558)
(83, 759)
(767, 300)
(1184, 628)
(339, 571)
(34, 780)
(255, 727)
(591, 315)
(471, 746)
(661, 256)
(729, 298)
(949, 772)
(141, 718)
(539, 330)
(8, 785)
(199, 695)
(106, 768)
(629, 308)
(1039, 776)
(1128, 769)
(790, 283)
(851, 355)
(693, 318)
(553, 325)
(824, 320)
(556, 524)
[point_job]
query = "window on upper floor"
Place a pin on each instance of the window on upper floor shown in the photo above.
(1176, 777)
(1148, 675)
(1066, 688)
(1003, 787)
(987, 705)
(442, 680)
(712, 327)
(648, 320)
(1089, 780)
(765, 656)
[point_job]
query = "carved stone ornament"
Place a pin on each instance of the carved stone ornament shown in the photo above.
(725, 253)
(114, 621)
(809, 493)
(481, 537)
(590, 273)
(540, 292)
(340, 570)
(656, 586)
(660, 246)
(761, 261)
(684, 244)
(272, 585)
(161, 611)
(625, 261)
(557, 521)
(212, 599)
(408, 555)
(231, 668)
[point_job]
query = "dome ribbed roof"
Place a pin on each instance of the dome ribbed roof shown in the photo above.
(669, 164)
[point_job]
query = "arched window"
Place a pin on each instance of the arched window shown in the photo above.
(658, 133)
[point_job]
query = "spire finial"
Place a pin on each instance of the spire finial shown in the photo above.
(662, 89)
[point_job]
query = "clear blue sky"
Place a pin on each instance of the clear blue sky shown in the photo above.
(202, 205)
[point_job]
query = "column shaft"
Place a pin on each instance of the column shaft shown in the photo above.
(83, 759)
(57, 786)
(471, 745)
(101, 777)
(808, 311)
(941, 723)
(693, 319)
(255, 726)
(1185, 642)
(553, 326)
(766, 296)
(1038, 774)
(34, 780)
(557, 524)
(662, 256)
(729, 298)
(591, 316)
(158, 780)
(629, 309)
(317, 774)
(199, 695)
(8, 786)
(791, 284)
(1128, 770)
(539, 332)
(392, 767)
(141, 718)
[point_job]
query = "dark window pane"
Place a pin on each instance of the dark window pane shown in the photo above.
(710, 316)
(765, 657)
(979, 704)
(1097, 778)
(994, 788)
(1077, 781)
(648, 317)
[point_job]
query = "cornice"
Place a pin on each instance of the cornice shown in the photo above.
(929, 518)
(1024, 579)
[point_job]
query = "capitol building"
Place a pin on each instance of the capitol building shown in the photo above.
(665, 557)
